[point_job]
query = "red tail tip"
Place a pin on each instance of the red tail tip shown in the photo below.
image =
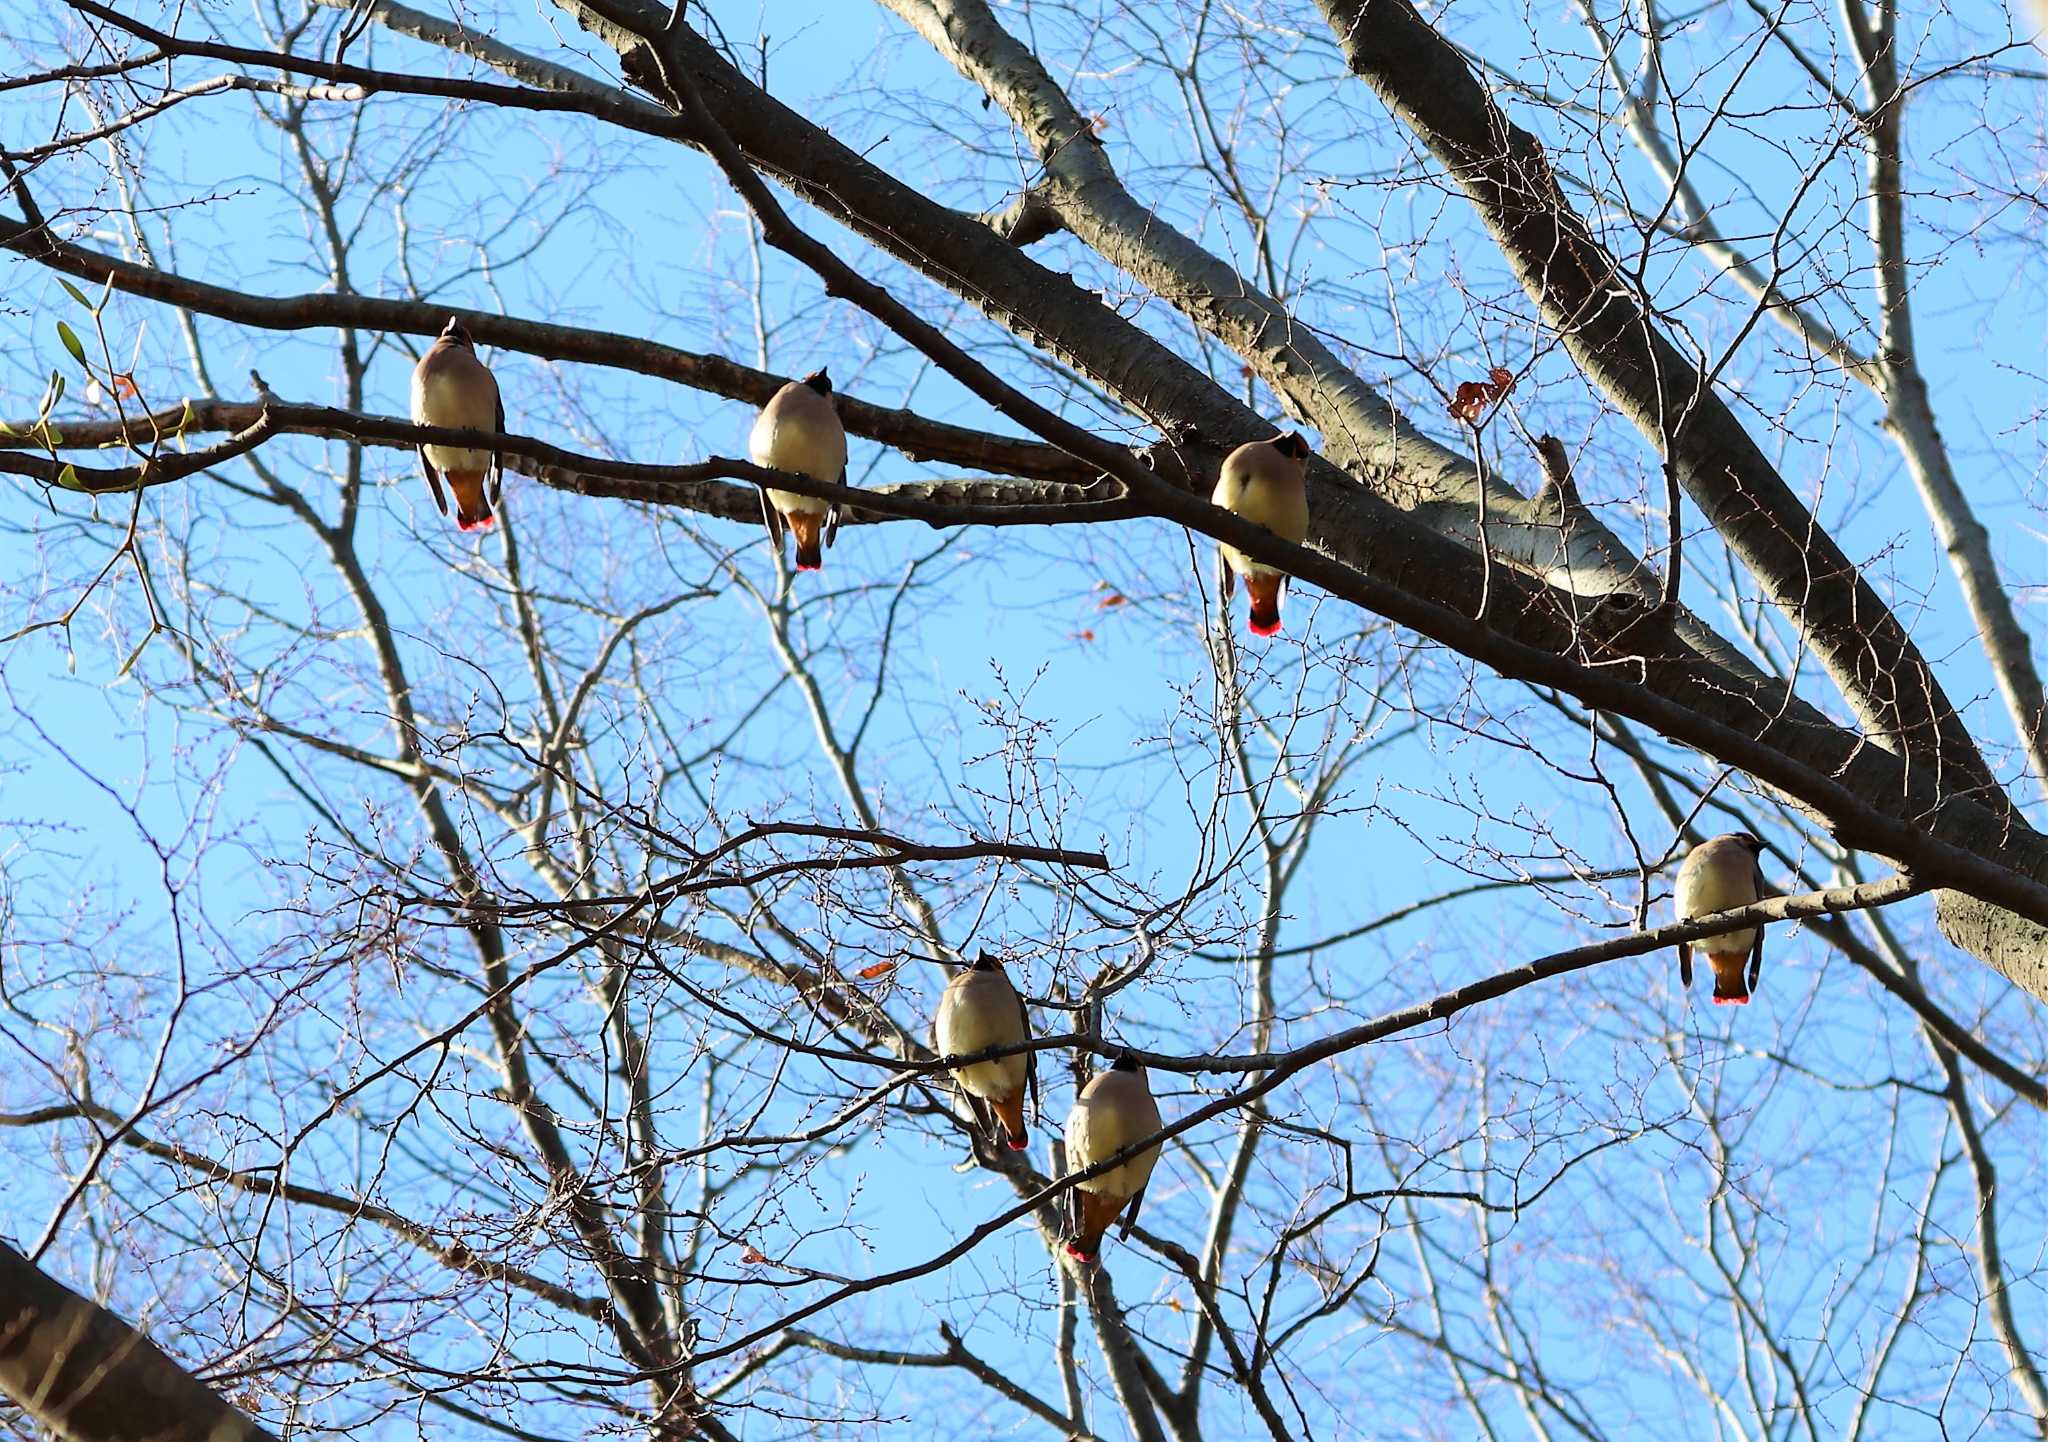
(1262, 627)
(1020, 1144)
(471, 524)
(1731, 1001)
(1080, 1256)
(810, 565)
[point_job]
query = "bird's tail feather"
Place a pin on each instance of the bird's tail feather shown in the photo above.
(809, 530)
(1731, 988)
(1010, 1114)
(1097, 1212)
(472, 506)
(1265, 593)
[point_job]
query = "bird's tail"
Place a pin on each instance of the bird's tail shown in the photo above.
(1731, 988)
(809, 529)
(1010, 1114)
(1097, 1211)
(1265, 593)
(472, 503)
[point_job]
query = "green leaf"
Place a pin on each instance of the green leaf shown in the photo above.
(74, 292)
(68, 478)
(72, 343)
(52, 437)
(105, 291)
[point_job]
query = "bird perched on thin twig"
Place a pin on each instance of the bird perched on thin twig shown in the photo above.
(1263, 481)
(1114, 1110)
(799, 430)
(981, 1009)
(1719, 875)
(451, 387)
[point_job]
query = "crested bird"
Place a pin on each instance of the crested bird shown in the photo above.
(451, 387)
(1262, 481)
(799, 430)
(980, 1009)
(1716, 876)
(1114, 1110)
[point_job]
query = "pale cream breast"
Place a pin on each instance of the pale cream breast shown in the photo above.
(1115, 1109)
(978, 1010)
(1262, 485)
(1717, 875)
(450, 387)
(799, 430)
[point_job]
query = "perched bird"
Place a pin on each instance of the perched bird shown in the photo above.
(799, 430)
(1113, 1110)
(1718, 875)
(980, 1009)
(451, 387)
(1262, 481)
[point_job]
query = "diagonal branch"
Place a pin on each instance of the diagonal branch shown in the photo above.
(1610, 332)
(88, 1376)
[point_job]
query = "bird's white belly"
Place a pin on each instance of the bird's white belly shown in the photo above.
(446, 459)
(790, 503)
(1735, 943)
(1244, 565)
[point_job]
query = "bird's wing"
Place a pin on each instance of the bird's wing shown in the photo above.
(771, 518)
(1131, 1212)
(1685, 964)
(1030, 1060)
(498, 461)
(433, 481)
(1756, 952)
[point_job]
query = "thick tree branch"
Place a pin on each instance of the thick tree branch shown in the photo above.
(88, 1376)
(697, 487)
(1611, 334)
(914, 435)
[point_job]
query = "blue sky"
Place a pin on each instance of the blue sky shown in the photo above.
(628, 234)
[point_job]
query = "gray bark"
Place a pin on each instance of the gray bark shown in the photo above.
(87, 1376)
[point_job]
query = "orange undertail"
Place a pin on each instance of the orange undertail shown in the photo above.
(1010, 1112)
(1265, 594)
(1098, 1212)
(472, 505)
(1731, 988)
(809, 530)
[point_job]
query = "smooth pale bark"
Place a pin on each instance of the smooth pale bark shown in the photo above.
(1361, 430)
(87, 1376)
